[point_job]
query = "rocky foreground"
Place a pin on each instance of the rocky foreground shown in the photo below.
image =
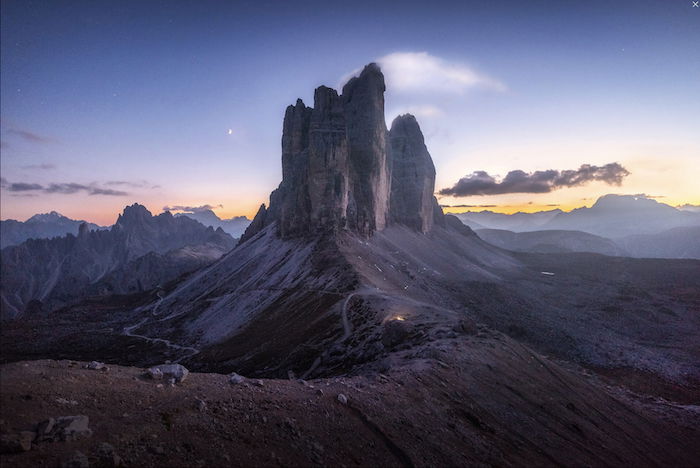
(476, 399)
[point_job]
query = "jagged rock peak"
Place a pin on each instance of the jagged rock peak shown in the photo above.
(413, 176)
(337, 166)
(133, 214)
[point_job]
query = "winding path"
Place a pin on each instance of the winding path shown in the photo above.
(129, 331)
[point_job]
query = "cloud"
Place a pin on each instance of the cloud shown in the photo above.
(30, 136)
(22, 187)
(420, 72)
(192, 209)
(43, 166)
(481, 183)
(132, 184)
(62, 188)
(420, 112)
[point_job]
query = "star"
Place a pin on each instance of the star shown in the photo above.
(230, 131)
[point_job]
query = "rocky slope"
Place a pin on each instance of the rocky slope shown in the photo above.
(551, 241)
(139, 252)
(235, 226)
(39, 226)
(679, 242)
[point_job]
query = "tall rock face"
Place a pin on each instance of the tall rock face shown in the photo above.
(336, 172)
(413, 176)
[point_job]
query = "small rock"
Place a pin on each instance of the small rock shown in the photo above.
(157, 449)
(160, 385)
(107, 455)
(235, 379)
(258, 383)
(16, 443)
(178, 372)
(291, 375)
(64, 401)
(342, 399)
(79, 460)
(319, 391)
(72, 427)
(201, 405)
(96, 365)
(44, 429)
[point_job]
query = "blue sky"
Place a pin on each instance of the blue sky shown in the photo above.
(133, 101)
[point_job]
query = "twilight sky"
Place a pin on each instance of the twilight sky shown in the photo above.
(181, 103)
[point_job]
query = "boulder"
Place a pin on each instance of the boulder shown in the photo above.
(96, 365)
(178, 372)
(235, 379)
(17, 443)
(78, 460)
(107, 456)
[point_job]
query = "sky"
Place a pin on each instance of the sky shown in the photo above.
(176, 103)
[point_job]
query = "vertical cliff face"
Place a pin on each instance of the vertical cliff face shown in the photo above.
(337, 166)
(413, 176)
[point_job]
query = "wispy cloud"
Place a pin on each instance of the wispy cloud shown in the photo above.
(132, 184)
(30, 136)
(481, 183)
(43, 166)
(420, 72)
(22, 187)
(192, 209)
(61, 188)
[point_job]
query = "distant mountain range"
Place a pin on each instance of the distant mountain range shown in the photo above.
(40, 226)
(612, 216)
(552, 241)
(139, 252)
(234, 226)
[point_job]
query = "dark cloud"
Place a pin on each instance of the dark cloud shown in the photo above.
(191, 209)
(481, 183)
(43, 166)
(71, 188)
(21, 187)
(63, 188)
(30, 136)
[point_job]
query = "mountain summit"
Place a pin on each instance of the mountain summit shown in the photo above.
(337, 162)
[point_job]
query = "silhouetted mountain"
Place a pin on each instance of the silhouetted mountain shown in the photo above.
(622, 215)
(611, 216)
(139, 252)
(518, 222)
(39, 226)
(550, 241)
(235, 226)
(679, 242)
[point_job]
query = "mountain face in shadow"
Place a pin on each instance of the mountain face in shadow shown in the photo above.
(39, 226)
(235, 226)
(139, 252)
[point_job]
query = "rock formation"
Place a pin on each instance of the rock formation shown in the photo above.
(337, 163)
(140, 252)
(413, 176)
